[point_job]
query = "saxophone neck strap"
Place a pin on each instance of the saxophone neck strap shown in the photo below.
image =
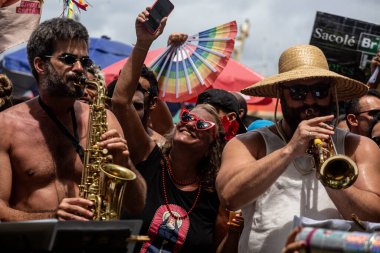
(73, 138)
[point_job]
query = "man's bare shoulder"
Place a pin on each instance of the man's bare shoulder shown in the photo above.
(17, 114)
(355, 145)
(366, 154)
(15, 120)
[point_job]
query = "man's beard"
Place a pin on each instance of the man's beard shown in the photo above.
(293, 116)
(56, 86)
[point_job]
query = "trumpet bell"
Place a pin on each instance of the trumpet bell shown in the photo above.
(338, 172)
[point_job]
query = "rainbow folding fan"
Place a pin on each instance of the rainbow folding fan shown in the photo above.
(184, 71)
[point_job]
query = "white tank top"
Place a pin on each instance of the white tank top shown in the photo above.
(268, 221)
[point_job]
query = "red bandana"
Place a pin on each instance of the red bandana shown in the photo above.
(230, 127)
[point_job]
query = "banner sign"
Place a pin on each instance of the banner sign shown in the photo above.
(18, 19)
(348, 44)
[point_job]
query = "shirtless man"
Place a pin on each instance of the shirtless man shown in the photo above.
(267, 172)
(361, 111)
(40, 165)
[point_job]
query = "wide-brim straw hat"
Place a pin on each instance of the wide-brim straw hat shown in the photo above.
(301, 63)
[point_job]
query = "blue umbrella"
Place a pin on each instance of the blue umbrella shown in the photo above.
(103, 52)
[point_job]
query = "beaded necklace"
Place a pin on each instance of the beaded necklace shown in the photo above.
(165, 163)
(176, 181)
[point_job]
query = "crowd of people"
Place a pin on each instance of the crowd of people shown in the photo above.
(204, 184)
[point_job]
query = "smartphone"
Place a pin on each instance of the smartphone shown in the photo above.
(160, 9)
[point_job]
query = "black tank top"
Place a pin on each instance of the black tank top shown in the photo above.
(193, 234)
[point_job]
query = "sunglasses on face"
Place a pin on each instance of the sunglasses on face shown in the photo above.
(377, 140)
(372, 113)
(201, 124)
(71, 59)
(299, 92)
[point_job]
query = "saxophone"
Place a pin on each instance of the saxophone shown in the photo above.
(102, 181)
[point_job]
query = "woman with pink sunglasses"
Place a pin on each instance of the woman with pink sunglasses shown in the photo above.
(182, 211)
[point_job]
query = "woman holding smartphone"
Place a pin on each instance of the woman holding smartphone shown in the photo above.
(182, 209)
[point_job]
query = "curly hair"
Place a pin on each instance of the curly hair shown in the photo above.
(148, 74)
(6, 88)
(210, 164)
(43, 40)
(96, 71)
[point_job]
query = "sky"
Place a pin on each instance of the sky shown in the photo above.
(274, 24)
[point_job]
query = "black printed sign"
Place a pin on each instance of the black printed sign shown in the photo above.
(348, 44)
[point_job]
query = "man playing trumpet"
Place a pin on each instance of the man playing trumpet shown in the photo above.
(268, 173)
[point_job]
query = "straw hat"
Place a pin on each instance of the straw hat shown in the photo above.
(305, 62)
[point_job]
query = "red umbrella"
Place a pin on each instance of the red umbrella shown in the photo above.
(234, 77)
(112, 71)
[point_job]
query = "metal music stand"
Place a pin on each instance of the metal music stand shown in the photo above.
(68, 236)
(26, 236)
(98, 236)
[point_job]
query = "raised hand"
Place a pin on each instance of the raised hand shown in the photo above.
(375, 63)
(177, 39)
(142, 33)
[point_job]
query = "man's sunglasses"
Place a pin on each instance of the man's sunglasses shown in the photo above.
(201, 124)
(372, 113)
(299, 92)
(71, 59)
(377, 140)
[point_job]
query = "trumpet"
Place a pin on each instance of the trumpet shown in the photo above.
(333, 170)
